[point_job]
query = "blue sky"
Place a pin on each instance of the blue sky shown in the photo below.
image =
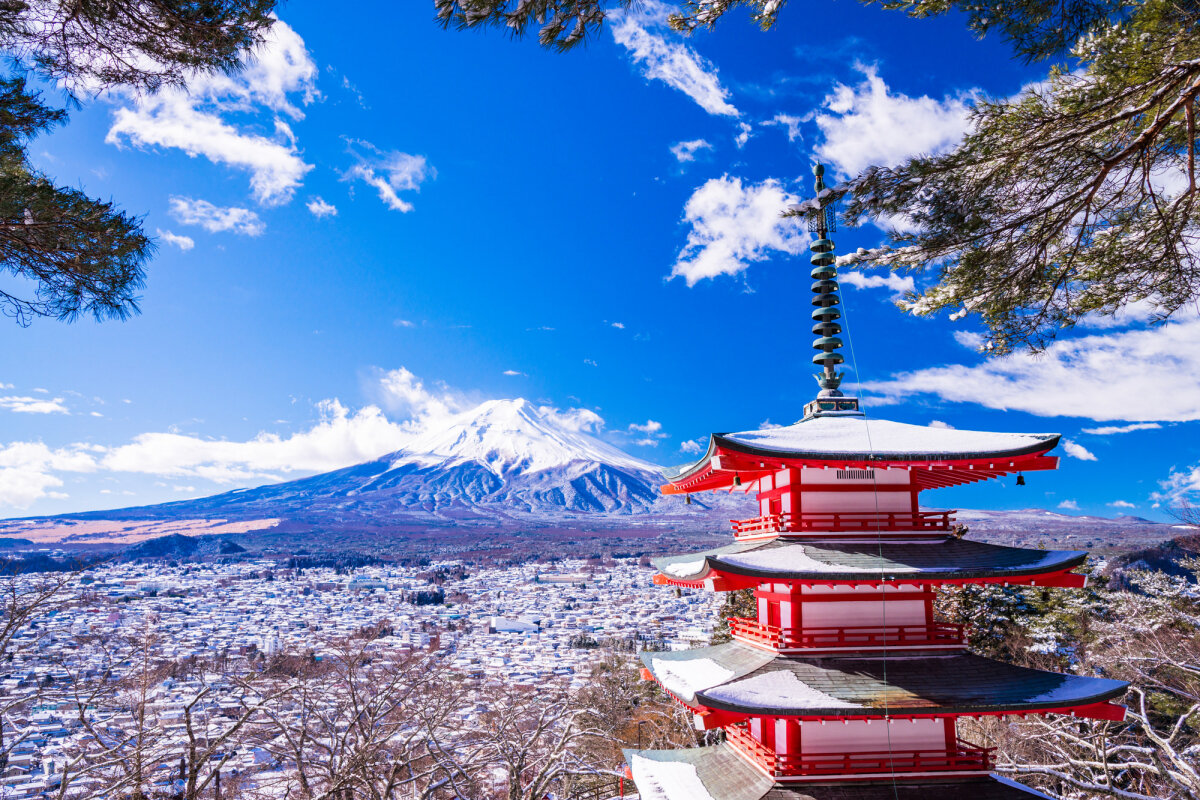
(380, 222)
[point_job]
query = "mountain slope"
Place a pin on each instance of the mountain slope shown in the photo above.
(505, 460)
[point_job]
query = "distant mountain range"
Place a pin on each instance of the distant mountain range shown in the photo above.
(506, 464)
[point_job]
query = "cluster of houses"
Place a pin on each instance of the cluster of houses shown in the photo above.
(516, 625)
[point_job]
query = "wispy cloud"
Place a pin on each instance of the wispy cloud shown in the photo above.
(1069, 505)
(686, 151)
(895, 283)
(275, 79)
(790, 124)
(320, 209)
(664, 56)
(389, 172)
(1104, 377)
(1108, 430)
(33, 405)
(184, 243)
(1076, 450)
(214, 218)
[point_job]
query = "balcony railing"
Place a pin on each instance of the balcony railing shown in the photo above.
(963, 757)
(844, 523)
(938, 634)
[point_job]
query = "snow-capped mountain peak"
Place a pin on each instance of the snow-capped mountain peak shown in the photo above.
(512, 438)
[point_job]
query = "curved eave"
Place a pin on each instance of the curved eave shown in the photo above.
(727, 776)
(749, 684)
(726, 462)
(722, 567)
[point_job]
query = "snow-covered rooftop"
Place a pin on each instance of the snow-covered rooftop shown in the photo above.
(952, 558)
(899, 686)
(858, 436)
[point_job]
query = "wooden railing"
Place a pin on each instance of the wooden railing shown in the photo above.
(839, 522)
(963, 757)
(939, 634)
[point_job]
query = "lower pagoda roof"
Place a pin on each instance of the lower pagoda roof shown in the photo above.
(749, 681)
(823, 562)
(718, 773)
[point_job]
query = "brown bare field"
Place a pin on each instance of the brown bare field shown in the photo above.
(105, 531)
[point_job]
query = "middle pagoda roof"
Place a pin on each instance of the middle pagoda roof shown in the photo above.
(943, 561)
(837, 439)
(741, 679)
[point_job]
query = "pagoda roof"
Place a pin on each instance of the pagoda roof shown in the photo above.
(834, 439)
(719, 773)
(741, 679)
(829, 561)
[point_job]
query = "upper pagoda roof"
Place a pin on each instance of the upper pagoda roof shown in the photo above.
(718, 773)
(838, 439)
(738, 678)
(951, 559)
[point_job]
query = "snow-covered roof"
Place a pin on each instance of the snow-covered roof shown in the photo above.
(825, 561)
(849, 436)
(735, 677)
(719, 773)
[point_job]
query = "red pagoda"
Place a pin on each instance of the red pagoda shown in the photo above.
(845, 686)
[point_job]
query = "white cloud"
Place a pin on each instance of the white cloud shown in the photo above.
(184, 243)
(686, 151)
(192, 119)
(33, 405)
(27, 471)
(512, 373)
(1076, 450)
(405, 395)
(319, 208)
(969, 339)
(691, 447)
(937, 423)
(404, 323)
(1069, 505)
(1108, 430)
(868, 124)
(663, 56)
(214, 218)
(619, 325)
(339, 439)
(1122, 504)
(790, 123)
(734, 225)
(895, 283)
(648, 433)
(389, 172)
(1104, 377)
(1178, 485)
(743, 135)
(581, 420)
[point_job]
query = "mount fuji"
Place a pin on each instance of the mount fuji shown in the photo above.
(505, 461)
